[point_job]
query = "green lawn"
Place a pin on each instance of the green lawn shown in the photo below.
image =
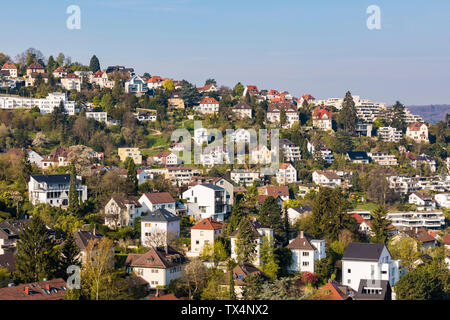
(366, 206)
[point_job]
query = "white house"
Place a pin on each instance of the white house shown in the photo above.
(417, 132)
(205, 231)
(158, 267)
(243, 110)
(296, 212)
(422, 201)
(72, 82)
(53, 189)
(208, 201)
(326, 178)
(159, 227)
(241, 136)
(305, 252)
(389, 134)
(97, 116)
(136, 85)
(383, 158)
(35, 158)
(322, 118)
(286, 174)
(260, 231)
(11, 68)
(120, 211)
(417, 219)
(208, 105)
(274, 113)
(245, 177)
(45, 105)
(368, 261)
(157, 200)
(291, 152)
(166, 159)
(442, 200)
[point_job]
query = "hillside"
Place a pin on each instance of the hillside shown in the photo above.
(431, 113)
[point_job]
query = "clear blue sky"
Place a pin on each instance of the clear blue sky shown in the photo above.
(318, 47)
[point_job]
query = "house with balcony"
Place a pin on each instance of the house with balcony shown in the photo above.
(417, 219)
(323, 152)
(389, 134)
(207, 201)
(180, 175)
(72, 82)
(54, 189)
(245, 177)
(121, 211)
(153, 201)
(286, 174)
(208, 105)
(383, 158)
(166, 159)
(290, 151)
(305, 252)
(358, 157)
(423, 159)
(322, 118)
(274, 113)
(422, 201)
(136, 85)
(369, 262)
(133, 153)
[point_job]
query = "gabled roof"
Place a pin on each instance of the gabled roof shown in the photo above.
(255, 225)
(82, 238)
(208, 224)
(284, 166)
(358, 218)
(209, 100)
(330, 175)
(160, 215)
(334, 291)
(9, 65)
(363, 251)
(242, 106)
(160, 257)
(321, 113)
(159, 197)
(274, 191)
(123, 200)
(384, 285)
(278, 106)
(240, 272)
(60, 69)
(301, 243)
(35, 65)
(415, 126)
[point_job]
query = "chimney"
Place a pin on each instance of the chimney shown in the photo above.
(47, 286)
(301, 234)
(166, 249)
(27, 291)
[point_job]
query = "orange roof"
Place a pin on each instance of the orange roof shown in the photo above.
(358, 218)
(333, 292)
(60, 69)
(284, 166)
(415, 126)
(9, 65)
(208, 224)
(273, 191)
(169, 296)
(72, 76)
(155, 79)
(320, 113)
(209, 100)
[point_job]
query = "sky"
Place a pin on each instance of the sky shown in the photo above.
(320, 47)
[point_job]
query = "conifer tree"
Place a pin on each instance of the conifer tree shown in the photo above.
(283, 117)
(380, 224)
(245, 242)
(347, 115)
(269, 263)
(94, 64)
(74, 201)
(132, 181)
(69, 255)
(398, 111)
(270, 216)
(37, 256)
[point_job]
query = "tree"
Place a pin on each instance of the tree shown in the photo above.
(347, 115)
(380, 224)
(168, 85)
(99, 264)
(269, 263)
(283, 117)
(132, 180)
(270, 216)
(195, 274)
(5, 277)
(404, 249)
(74, 201)
(51, 65)
(252, 287)
(245, 242)
(94, 64)
(107, 102)
(210, 81)
(60, 59)
(427, 282)
(69, 255)
(238, 90)
(397, 120)
(37, 254)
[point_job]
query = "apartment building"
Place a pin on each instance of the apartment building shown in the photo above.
(389, 134)
(383, 158)
(132, 153)
(45, 105)
(417, 219)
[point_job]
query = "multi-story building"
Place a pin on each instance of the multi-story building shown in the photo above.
(305, 252)
(243, 110)
(261, 155)
(422, 201)
(402, 184)
(57, 158)
(98, 116)
(417, 219)
(274, 113)
(154, 201)
(369, 262)
(383, 158)
(286, 174)
(136, 85)
(322, 118)
(245, 177)
(180, 175)
(204, 232)
(208, 105)
(175, 101)
(418, 132)
(132, 153)
(208, 201)
(54, 189)
(72, 82)
(159, 227)
(121, 210)
(389, 134)
(328, 178)
(290, 151)
(45, 105)
(11, 69)
(324, 152)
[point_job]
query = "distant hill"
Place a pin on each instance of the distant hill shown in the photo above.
(431, 113)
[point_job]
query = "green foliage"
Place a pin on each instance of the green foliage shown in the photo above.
(245, 242)
(269, 262)
(405, 249)
(270, 216)
(379, 225)
(94, 64)
(347, 115)
(37, 254)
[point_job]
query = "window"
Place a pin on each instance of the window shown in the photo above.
(349, 281)
(349, 271)
(305, 263)
(305, 254)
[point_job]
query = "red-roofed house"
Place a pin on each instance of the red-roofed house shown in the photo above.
(205, 231)
(11, 68)
(155, 82)
(55, 289)
(59, 72)
(158, 200)
(322, 118)
(274, 191)
(166, 159)
(286, 174)
(306, 97)
(101, 79)
(334, 291)
(208, 88)
(207, 106)
(251, 90)
(305, 252)
(417, 132)
(35, 68)
(72, 82)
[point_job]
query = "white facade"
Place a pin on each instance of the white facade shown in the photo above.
(443, 200)
(53, 189)
(148, 205)
(303, 259)
(158, 233)
(418, 133)
(210, 200)
(45, 105)
(98, 116)
(286, 174)
(417, 219)
(383, 158)
(136, 85)
(389, 134)
(245, 177)
(384, 268)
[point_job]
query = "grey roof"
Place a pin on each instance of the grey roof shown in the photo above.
(213, 186)
(358, 155)
(384, 294)
(160, 215)
(363, 251)
(52, 178)
(302, 209)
